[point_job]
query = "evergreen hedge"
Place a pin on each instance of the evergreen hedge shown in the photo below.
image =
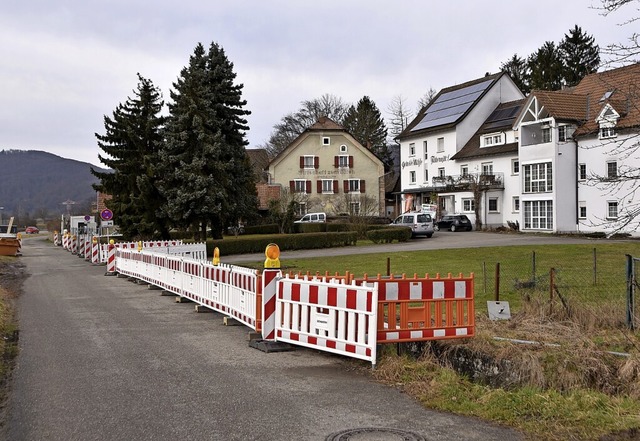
(388, 235)
(245, 245)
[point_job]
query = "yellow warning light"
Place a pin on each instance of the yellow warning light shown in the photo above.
(94, 240)
(272, 252)
(139, 245)
(216, 256)
(112, 242)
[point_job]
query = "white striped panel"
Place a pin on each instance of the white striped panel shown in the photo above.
(438, 290)
(392, 290)
(461, 289)
(415, 290)
(439, 333)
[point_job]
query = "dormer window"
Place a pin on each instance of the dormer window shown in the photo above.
(492, 139)
(608, 119)
(607, 132)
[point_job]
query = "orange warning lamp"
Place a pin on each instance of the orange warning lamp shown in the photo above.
(272, 253)
(216, 256)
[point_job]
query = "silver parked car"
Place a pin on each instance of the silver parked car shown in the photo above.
(421, 223)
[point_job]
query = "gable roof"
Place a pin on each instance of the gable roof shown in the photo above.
(324, 125)
(501, 119)
(450, 106)
(619, 88)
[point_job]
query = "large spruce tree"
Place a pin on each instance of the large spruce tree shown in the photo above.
(207, 179)
(130, 144)
(517, 69)
(546, 68)
(365, 123)
(580, 55)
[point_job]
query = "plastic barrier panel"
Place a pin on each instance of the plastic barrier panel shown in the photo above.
(328, 316)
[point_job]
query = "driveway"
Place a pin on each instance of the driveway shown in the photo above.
(102, 358)
(440, 240)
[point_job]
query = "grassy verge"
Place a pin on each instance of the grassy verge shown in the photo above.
(567, 386)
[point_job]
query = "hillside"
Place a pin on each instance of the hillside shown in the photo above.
(32, 181)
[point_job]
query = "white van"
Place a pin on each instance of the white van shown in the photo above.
(312, 217)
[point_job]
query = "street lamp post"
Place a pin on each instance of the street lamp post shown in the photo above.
(1, 208)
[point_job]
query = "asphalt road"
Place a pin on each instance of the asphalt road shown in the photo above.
(440, 240)
(102, 358)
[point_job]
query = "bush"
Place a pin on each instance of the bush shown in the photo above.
(262, 229)
(244, 245)
(388, 235)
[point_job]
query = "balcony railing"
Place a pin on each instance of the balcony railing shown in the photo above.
(465, 182)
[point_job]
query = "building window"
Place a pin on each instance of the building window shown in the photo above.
(441, 172)
(354, 185)
(355, 208)
(464, 170)
(546, 134)
(326, 140)
(327, 186)
(300, 186)
(562, 133)
(538, 215)
(301, 208)
(468, 205)
(607, 132)
(424, 144)
(493, 205)
(515, 167)
(612, 169)
(426, 175)
(308, 161)
(412, 177)
(440, 147)
(582, 172)
(612, 210)
(343, 161)
(487, 168)
(412, 149)
(538, 178)
(515, 204)
(492, 139)
(582, 210)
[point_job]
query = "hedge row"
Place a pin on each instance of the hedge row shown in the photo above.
(244, 245)
(388, 235)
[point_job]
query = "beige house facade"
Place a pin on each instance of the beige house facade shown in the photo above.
(325, 169)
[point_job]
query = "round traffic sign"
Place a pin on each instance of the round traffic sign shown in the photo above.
(106, 214)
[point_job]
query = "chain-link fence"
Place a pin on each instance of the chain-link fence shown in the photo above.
(595, 290)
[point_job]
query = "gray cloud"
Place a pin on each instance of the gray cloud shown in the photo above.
(65, 64)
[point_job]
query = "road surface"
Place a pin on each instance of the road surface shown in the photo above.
(102, 358)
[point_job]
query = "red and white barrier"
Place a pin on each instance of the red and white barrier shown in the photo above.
(111, 260)
(329, 316)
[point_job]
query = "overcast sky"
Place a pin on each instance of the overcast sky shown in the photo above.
(65, 64)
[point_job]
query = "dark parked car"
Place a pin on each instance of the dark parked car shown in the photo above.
(454, 222)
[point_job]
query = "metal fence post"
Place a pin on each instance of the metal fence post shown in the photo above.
(497, 282)
(630, 282)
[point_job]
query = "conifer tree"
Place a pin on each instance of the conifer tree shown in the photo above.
(546, 68)
(364, 122)
(130, 144)
(580, 55)
(207, 179)
(516, 68)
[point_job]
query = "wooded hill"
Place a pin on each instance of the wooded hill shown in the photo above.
(34, 183)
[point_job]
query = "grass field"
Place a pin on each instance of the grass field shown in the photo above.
(571, 390)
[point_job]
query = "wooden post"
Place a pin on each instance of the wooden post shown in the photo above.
(533, 267)
(630, 300)
(552, 283)
(497, 287)
(388, 266)
(595, 268)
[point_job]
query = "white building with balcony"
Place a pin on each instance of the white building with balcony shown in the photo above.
(579, 155)
(430, 172)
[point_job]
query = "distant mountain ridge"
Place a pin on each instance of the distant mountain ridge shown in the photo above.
(32, 180)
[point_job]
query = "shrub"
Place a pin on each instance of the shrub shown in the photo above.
(262, 229)
(388, 235)
(244, 245)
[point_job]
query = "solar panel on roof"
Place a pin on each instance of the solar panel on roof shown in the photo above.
(449, 106)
